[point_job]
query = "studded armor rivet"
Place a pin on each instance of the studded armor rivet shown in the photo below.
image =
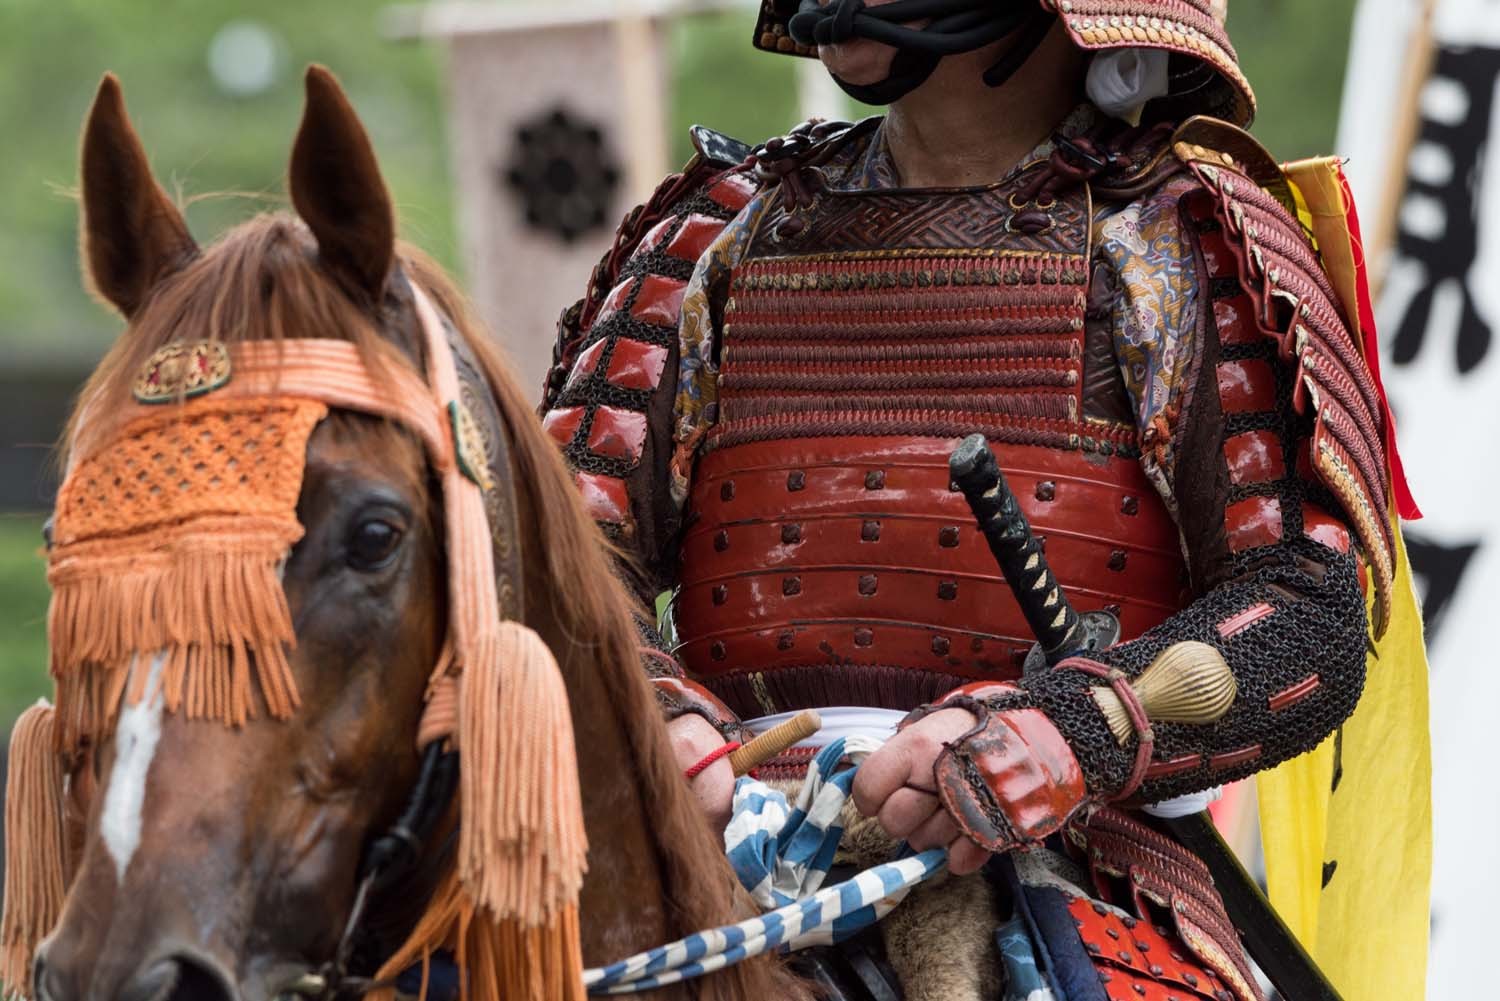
(1143, 946)
(1046, 490)
(1128, 921)
(1117, 560)
(726, 490)
(1223, 995)
(785, 640)
(1156, 970)
(1192, 981)
(941, 646)
(791, 585)
(1138, 989)
(1124, 955)
(869, 531)
(791, 534)
(948, 536)
(1130, 505)
(867, 584)
(717, 651)
(1176, 956)
(721, 594)
(1092, 947)
(947, 590)
(721, 541)
(864, 637)
(875, 480)
(796, 480)
(1112, 933)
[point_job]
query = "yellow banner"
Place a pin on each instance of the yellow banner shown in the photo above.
(1347, 828)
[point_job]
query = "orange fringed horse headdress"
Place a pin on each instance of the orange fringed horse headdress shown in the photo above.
(170, 530)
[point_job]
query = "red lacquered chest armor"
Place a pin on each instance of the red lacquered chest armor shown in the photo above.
(826, 559)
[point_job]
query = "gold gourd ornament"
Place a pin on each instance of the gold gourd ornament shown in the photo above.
(1189, 682)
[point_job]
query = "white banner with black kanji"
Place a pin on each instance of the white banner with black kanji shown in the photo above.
(1437, 312)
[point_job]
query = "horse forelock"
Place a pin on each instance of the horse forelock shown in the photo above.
(260, 281)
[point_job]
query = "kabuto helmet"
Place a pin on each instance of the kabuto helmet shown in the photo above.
(1204, 75)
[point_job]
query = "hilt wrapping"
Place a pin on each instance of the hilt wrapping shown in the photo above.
(1052, 619)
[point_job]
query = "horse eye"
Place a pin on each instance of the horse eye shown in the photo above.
(373, 544)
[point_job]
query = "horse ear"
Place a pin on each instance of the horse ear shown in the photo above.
(337, 190)
(132, 234)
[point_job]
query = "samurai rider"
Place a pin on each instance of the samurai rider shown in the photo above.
(1058, 236)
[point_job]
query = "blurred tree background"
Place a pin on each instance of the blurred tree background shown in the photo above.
(214, 87)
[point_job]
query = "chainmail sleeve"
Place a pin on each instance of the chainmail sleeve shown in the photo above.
(1277, 579)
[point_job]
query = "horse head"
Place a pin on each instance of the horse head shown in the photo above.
(221, 861)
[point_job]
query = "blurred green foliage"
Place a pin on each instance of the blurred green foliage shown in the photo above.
(23, 614)
(200, 138)
(203, 140)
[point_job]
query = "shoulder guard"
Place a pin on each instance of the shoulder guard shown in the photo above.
(1296, 306)
(614, 366)
(724, 190)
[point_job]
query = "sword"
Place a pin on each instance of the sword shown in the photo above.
(1061, 632)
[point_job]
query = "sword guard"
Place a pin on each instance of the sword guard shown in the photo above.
(1097, 630)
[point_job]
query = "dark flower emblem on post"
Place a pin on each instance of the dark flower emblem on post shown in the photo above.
(563, 174)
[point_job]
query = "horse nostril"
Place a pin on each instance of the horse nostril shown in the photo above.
(155, 983)
(200, 979)
(46, 982)
(178, 978)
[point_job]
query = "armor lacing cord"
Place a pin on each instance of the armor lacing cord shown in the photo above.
(1145, 736)
(721, 751)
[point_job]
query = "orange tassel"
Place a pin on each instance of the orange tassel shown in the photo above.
(522, 847)
(499, 960)
(34, 846)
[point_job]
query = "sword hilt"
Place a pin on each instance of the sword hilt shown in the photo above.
(1004, 526)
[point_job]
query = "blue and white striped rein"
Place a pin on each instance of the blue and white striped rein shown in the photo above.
(781, 854)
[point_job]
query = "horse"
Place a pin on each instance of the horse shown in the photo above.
(212, 861)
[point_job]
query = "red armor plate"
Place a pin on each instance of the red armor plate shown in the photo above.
(854, 551)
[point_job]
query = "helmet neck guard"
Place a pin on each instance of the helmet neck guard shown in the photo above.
(954, 26)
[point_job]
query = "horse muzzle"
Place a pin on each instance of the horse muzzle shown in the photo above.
(178, 976)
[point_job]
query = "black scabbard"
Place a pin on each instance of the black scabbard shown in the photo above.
(1057, 626)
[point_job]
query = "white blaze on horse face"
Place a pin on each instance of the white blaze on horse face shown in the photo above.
(136, 736)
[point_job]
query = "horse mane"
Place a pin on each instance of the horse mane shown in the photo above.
(261, 281)
(702, 892)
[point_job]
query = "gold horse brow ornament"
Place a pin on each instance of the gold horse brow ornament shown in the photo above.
(181, 370)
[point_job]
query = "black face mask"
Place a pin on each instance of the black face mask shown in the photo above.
(954, 26)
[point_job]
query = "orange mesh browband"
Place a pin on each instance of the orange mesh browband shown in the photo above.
(170, 539)
(173, 523)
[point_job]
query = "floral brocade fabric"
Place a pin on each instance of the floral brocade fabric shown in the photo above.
(1143, 292)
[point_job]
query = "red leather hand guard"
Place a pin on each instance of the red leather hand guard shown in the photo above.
(679, 696)
(1012, 780)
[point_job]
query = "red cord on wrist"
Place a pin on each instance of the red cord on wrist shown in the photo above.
(711, 757)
